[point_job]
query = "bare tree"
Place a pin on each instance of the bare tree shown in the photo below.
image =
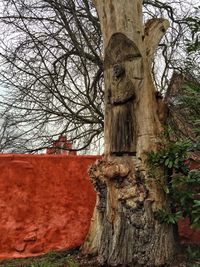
(52, 69)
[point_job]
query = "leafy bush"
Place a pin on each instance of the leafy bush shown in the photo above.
(178, 183)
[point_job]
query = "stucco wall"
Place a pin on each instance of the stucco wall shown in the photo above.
(46, 203)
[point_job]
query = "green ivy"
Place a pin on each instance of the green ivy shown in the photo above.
(178, 183)
(171, 156)
(168, 217)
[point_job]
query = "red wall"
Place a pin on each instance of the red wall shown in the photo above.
(46, 203)
(187, 234)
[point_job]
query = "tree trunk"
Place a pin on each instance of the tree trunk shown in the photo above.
(124, 229)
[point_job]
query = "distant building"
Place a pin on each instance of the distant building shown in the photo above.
(61, 147)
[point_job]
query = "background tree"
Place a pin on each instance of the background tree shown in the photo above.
(51, 67)
(52, 71)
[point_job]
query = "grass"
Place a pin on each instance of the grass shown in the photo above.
(189, 257)
(193, 256)
(51, 259)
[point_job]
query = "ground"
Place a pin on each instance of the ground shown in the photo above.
(188, 257)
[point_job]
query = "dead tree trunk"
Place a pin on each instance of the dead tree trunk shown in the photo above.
(124, 229)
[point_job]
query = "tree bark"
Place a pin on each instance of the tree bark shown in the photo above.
(124, 230)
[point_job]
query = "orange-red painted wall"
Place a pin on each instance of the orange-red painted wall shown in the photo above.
(46, 203)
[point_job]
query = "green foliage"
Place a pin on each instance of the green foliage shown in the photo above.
(190, 98)
(196, 214)
(168, 217)
(190, 101)
(171, 156)
(178, 183)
